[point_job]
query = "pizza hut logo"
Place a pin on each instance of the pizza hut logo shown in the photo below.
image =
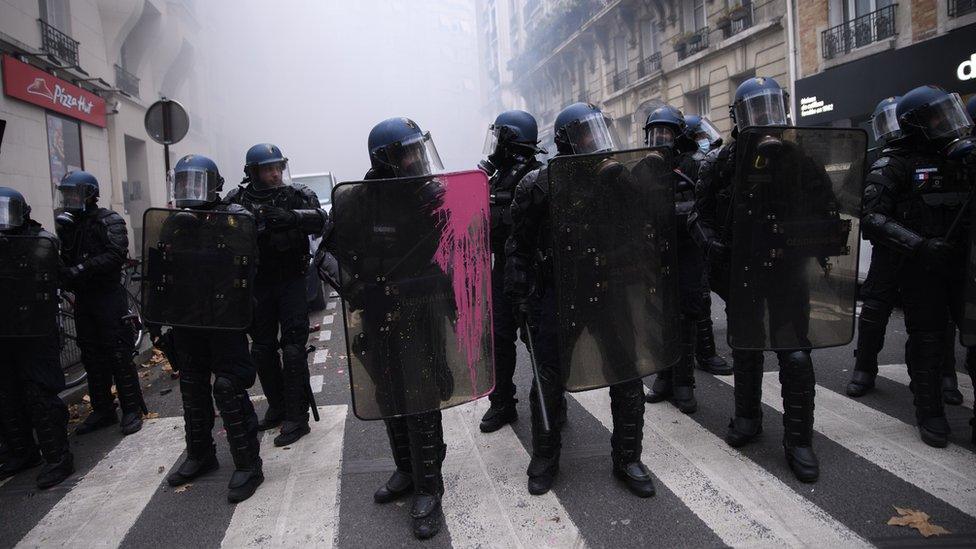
(60, 96)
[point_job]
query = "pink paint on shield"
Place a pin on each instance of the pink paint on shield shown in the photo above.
(462, 255)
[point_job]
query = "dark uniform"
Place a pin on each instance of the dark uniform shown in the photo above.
(286, 216)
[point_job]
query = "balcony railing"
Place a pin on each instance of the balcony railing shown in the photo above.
(620, 80)
(859, 32)
(692, 43)
(737, 20)
(126, 81)
(59, 44)
(958, 8)
(649, 65)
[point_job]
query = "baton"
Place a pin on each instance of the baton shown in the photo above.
(308, 387)
(535, 372)
(958, 219)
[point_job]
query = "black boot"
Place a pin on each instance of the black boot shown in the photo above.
(871, 327)
(15, 416)
(924, 353)
(401, 481)
(130, 394)
(798, 391)
(427, 452)
(683, 373)
(662, 388)
(198, 422)
(627, 409)
(499, 414)
(546, 445)
(291, 432)
(707, 359)
(49, 415)
(294, 359)
(103, 405)
(241, 425)
(747, 423)
(271, 420)
(950, 390)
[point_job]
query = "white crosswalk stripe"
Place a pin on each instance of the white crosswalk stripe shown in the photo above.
(486, 499)
(106, 502)
(316, 383)
(899, 374)
(741, 502)
(320, 356)
(328, 319)
(298, 504)
(325, 335)
(331, 305)
(894, 446)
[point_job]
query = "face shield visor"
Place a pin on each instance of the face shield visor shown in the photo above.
(592, 133)
(413, 157)
(11, 213)
(943, 119)
(191, 188)
(270, 175)
(660, 136)
(706, 135)
(72, 198)
(491, 140)
(763, 108)
(885, 123)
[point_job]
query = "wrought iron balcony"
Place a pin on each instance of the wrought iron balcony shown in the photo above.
(958, 8)
(620, 80)
(738, 20)
(126, 81)
(692, 43)
(859, 32)
(59, 44)
(649, 65)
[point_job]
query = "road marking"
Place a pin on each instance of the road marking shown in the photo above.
(899, 374)
(320, 357)
(331, 305)
(486, 498)
(316, 383)
(101, 508)
(741, 502)
(5, 481)
(328, 319)
(325, 335)
(893, 445)
(298, 504)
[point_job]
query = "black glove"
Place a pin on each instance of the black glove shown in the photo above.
(279, 218)
(717, 252)
(936, 254)
(70, 274)
(523, 316)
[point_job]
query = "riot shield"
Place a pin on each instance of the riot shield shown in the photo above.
(613, 226)
(199, 268)
(967, 329)
(795, 237)
(28, 286)
(415, 270)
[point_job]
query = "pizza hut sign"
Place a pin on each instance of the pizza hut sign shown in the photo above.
(30, 84)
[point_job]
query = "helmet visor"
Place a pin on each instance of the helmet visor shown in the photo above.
(11, 213)
(72, 198)
(190, 188)
(765, 107)
(885, 123)
(706, 135)
(660, 136)
(592, 133)
(415, 156)
(944, 118)
(491, 140)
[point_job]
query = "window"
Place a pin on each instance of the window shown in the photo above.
(56, 14)
(698, 103)
(63, 147)
(581, 77)
(856, 8)
(694, 15)
(620, 52)
(648, 38)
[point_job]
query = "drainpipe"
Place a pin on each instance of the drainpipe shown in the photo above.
(791, 54)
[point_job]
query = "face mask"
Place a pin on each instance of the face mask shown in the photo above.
(704, 145)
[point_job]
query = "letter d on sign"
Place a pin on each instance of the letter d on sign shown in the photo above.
(967, 69)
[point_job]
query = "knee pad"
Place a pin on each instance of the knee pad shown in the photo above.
(797, 360)
(293, 356)
(225, 387)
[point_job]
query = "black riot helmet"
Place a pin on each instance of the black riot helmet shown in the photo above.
(884, 120)
(934, 117)
(666, 127)
(399, 148)
(78, 191)
(582, 128)
(14, 211)
(701, 130)
(513, 132)
(194, 182)
(759, 101)
(266, 167)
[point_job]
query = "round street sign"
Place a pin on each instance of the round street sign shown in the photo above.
(167, 122)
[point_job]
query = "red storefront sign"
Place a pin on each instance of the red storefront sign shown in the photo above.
(30, 84)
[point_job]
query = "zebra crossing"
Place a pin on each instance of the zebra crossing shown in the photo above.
(706, 490)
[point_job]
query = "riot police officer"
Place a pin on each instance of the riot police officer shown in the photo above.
(30, 368)
(579, 129)
(398, 148)
(287, 214)
(914, 193)
(511, 146)
(701, 130)
(95, 246)
(880, 289)
(758, 102)
(666, 127)
(214, 364)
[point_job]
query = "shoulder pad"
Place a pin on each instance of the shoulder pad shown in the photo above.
(108, 217)
(234, 195)
(881, 163)
(537, 176)
(306, 193)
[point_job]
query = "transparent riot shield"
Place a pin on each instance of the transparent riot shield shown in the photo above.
(28, 286)
(967, 329)
(795, 237)
(199, 268)
(415, 271)
(613, 225)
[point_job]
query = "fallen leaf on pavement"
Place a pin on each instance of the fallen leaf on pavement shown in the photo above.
(86, 398)
(183, 488)
(917, 520)
(160, 470)
(151, 415)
